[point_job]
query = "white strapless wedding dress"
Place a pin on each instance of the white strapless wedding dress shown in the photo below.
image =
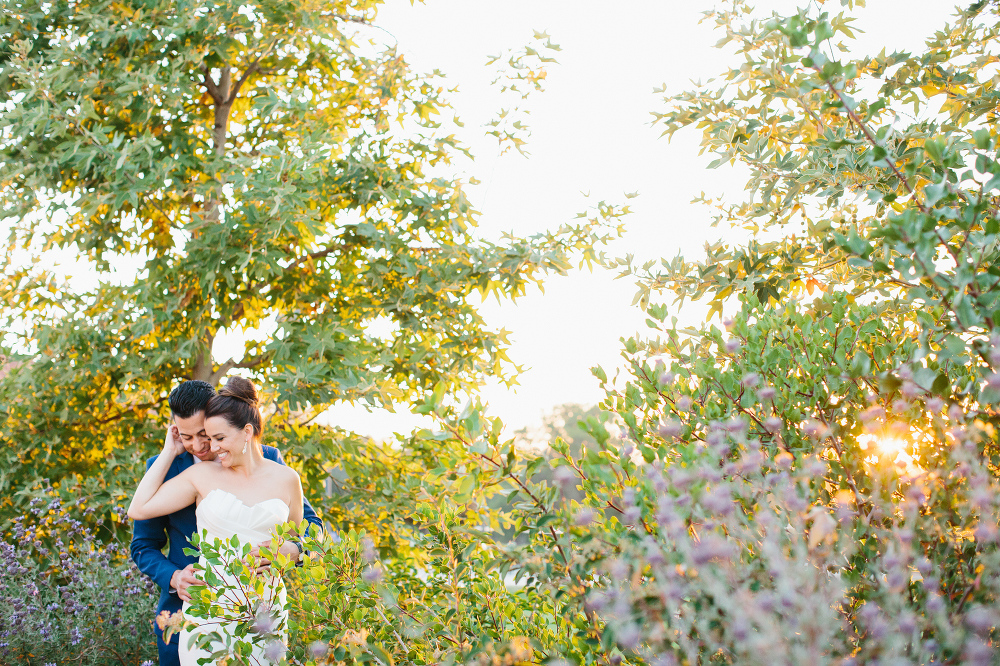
(221, 515)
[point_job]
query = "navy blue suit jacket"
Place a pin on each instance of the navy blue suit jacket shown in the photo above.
(150, 536)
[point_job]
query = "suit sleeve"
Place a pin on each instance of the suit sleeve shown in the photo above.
(148, 539)
(308, 513)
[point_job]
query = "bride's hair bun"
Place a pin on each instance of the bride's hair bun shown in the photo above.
(239, 403)
(241, 389)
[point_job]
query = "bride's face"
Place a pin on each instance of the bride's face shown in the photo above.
(227, 441)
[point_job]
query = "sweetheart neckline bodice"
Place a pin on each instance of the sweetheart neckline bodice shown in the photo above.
(249, 506)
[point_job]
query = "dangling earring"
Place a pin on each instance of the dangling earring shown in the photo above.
(245, 442)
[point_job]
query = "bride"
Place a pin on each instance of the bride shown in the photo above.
(242, 495)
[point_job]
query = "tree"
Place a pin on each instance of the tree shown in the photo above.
(268, 169)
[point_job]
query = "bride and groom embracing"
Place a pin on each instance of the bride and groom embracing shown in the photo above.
(213, 476)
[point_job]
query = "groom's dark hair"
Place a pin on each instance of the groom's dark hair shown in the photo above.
(190, 398)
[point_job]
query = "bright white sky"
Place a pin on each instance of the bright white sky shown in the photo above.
(591, 132)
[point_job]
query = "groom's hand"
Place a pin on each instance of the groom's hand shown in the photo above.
(182, 580)
(287, 548)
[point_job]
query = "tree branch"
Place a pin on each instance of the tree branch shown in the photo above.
(251, 69)
(213, 90)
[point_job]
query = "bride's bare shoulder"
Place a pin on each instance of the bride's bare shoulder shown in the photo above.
(282, 471)
(203, 476)
(202, 470)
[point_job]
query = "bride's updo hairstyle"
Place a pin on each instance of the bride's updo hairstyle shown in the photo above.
(239, 403)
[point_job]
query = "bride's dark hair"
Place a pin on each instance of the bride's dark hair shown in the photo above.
(239, 403)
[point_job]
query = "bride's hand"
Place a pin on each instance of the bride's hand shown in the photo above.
(172, 442)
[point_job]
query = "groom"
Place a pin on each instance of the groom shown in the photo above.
(174, 573)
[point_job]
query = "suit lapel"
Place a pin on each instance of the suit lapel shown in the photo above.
(181, 463)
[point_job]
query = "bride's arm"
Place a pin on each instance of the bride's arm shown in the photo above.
(155, 498)
(295, 509)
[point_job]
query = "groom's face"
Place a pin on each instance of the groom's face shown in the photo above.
(193, 436)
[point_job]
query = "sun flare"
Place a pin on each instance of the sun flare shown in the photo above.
(888, 449)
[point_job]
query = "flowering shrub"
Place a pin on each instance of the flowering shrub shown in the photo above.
(716, 534)
(68, 598)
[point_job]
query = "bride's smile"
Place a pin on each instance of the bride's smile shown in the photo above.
(230, 446)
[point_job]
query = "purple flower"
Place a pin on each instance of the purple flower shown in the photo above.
(564, 477)
(873, 413)
(995, 356)
(317, 650)
(583, 517)
(718, 501)
(907, 622)
(654, 554)
(732, 345)
(711, 547)
(750, 380)
(274, 651)
(977, 652)
(618, 569)
(670, 428)
(596, 601)
(372, 574)
(265, 621)
(666, 379)
(665, 659)
(773, 424)
(980, 620)
(684, 403)
(628, 636)
(628, 496)
(815, 430)
(735, 425)
(368, 552)
(987, 532)
(766, 393)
